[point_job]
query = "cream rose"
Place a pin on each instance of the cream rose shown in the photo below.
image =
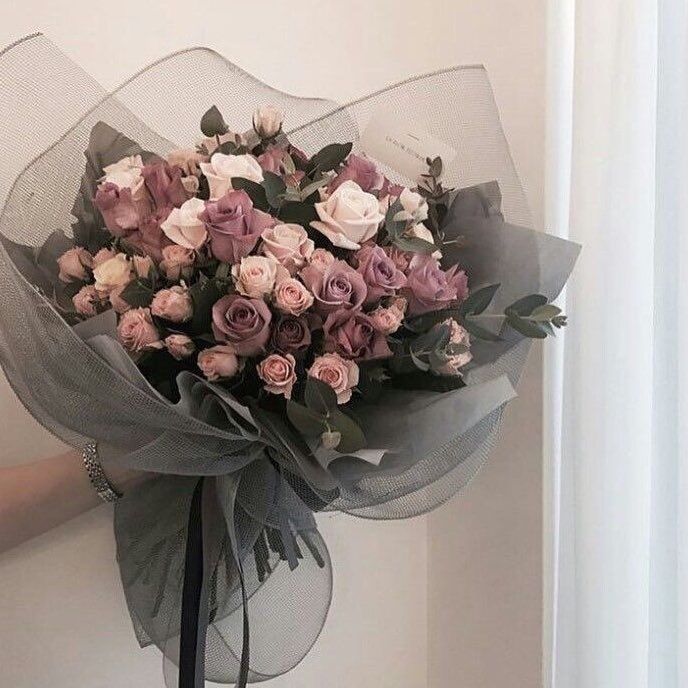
(113, 273)
(420, 231)
(125, 173)
(256, 276)
(338, 373)
(292, 296)
(102, 256)
(218, 362)
(279, 373)
(289, 245)
(223, 168)
(267, 121)
(349, 216)
(414, 206)
(183, 226)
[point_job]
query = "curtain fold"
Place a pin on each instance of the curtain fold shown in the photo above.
(616, 450)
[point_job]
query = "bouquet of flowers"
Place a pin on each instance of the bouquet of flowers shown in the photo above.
(275, 323)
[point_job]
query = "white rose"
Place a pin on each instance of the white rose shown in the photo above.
(289, 245)
(414, 206)
(125, 173)
(422, 232)
(256, 276)
(183, 225)
(349, 216)
(113, 273)
(267, 121)
(222, 168)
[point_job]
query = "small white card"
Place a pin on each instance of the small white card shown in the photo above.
(403, 145)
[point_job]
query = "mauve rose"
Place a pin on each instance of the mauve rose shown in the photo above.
(119, 210)
(150, 239)
(184, 227)
(177, 262)
(352, 334)
(292, 297)
(218, 362)
(103, 255)
(401, 258)
(339, 286)
(87, 300)
(381, 275)
(137, 332)
(74, 264)
(179, 346)
(338, 373)
(164, 183)
(429, 288)
(459, 337)
(289, 245)
(278, 373)
(173, 304)
(234, 226)
(242, 323)
(291, 334)
(360, 170)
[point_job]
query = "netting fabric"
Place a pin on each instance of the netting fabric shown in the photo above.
(264, 561)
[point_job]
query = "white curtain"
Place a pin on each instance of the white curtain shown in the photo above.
(616, 390)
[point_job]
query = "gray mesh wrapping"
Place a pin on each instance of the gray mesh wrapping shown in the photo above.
(49, 108)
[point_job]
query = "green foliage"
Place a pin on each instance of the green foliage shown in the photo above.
(212, 123)
(329, 157)
(138, 293)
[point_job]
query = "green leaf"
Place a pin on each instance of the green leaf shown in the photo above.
(310, 189)
(138, 294)
(419, 363)
(527, 304)
(545, 313)
(477, 301)
(435, 167)
(204, 294)
(212, 123)
(422, 323)
(298, 213)
(413, 244)
(305, 420)
(319, 396)
(353, 438)
(480, 332)
(330, 157)
(525, 327)
(274, 187)
(255, 191)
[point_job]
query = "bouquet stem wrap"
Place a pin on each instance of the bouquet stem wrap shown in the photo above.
(223, 540)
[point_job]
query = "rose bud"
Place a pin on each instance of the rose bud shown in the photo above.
(137, 332)
(218, 362)
(330, 439)
(74, 264)
(179, 346)
(173, 304)
(177, 261)
(87, 300)
(278, 373)
(267, 121)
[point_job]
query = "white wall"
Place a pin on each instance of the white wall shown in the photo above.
(62, 615)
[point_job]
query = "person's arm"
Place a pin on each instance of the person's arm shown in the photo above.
(38, 496)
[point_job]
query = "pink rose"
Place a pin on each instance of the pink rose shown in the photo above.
(187, 159)
(87, 300)
(381, 275)
(352, 334)
(164, 183)
(122, 212)
(184, 227)
(142, 266)
(278, 373)
(291, 334)
(339, 286)
(388, 320)
(273, 160)
(292, 297)
(289, 245)
(321, 259)
(360, 170)
(429, 288)
(74, 265)
(179, 346)
(256, 276)
(150, 239)
(218, 362)
(338, 373)
(242, 323)
(102, 256)
(177, 262)
(137, 332)
(458, 353)
(173, 304)
(234, 226)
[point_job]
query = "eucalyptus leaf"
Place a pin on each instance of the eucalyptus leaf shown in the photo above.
(298, 213)
(330, 157)
(212, 123)
(526, 327)
(413, 244)
(477, 301)
(545, 313)
(319, 396)
(527, 304)
(305, 420)
(480, 332)
(255, 191)
(353, 438)
(203, 294)
(274, 188)
(138, 294)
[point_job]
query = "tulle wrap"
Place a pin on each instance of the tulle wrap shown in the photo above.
(223, 541)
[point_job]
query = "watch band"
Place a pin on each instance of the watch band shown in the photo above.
(96, 474)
